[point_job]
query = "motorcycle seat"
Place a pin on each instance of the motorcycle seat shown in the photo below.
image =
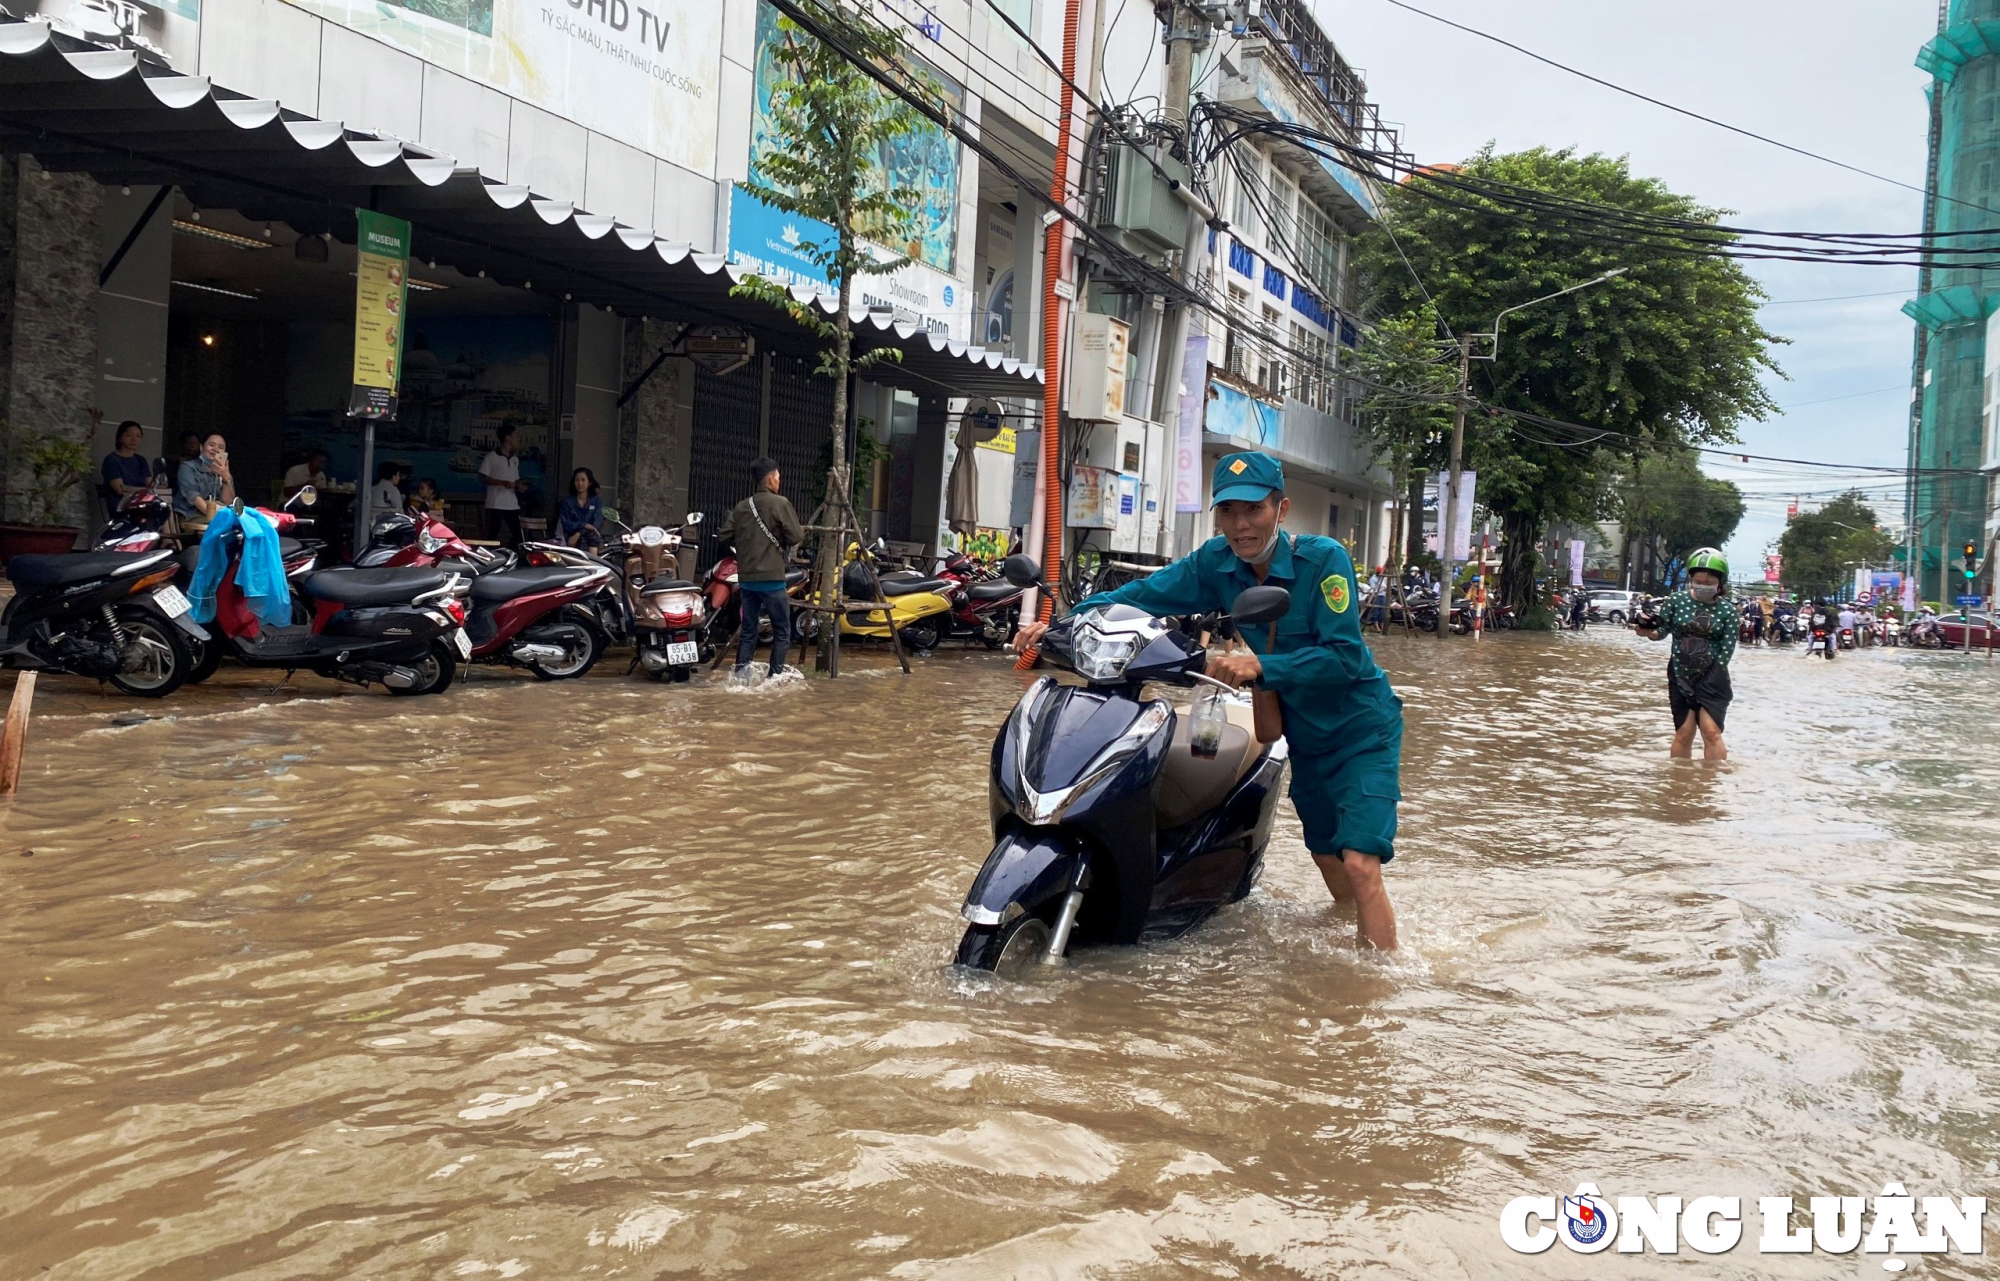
(1190, 786)
(506, 584)
(793, 577)
(364, 587)
(669, 583)
(998, 589)
(33, 570)
(911, 586)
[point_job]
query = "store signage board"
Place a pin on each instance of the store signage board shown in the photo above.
(381, 293)
(720, 349)
(645, 74)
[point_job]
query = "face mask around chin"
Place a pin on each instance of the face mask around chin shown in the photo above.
(1703, 592)
(1263, 557)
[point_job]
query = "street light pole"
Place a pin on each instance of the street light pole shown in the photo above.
(1448, 515)
(1448, 510)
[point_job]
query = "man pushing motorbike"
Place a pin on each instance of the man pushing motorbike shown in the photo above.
(1343, 723)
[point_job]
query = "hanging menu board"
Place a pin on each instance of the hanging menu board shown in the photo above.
(381, 293)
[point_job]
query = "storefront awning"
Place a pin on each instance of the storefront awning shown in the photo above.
(77, 108)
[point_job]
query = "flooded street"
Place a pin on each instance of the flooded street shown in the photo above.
(616, 979)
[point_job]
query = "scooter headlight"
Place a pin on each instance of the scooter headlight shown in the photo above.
(430, 544)
(1101, 657)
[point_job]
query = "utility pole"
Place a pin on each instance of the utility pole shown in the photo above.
(1186, 29)
(1448, 517)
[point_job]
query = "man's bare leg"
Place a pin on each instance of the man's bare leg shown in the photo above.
(1356, 878)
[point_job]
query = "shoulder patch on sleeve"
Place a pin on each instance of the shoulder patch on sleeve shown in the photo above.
(1334, 588)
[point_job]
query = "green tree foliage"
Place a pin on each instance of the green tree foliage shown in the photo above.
(1669, 354)
(1822, 548)
(1407, 386)
(1671, 506)
(834, 120)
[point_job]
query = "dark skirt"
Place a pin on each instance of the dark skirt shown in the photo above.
(1709, 692)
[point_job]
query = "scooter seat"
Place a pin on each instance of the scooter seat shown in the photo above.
(793, 577)
(911, 586)
(669, 584)
(506, 584)
(33, 570)
(1189, 785)
(365, 587)
(998, 589)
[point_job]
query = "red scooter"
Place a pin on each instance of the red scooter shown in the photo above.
(399, 628)
(531, 616)
(984, 606)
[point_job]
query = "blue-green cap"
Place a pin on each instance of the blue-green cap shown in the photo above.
(1247, 477)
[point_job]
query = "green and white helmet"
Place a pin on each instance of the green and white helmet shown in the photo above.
(1710, 559)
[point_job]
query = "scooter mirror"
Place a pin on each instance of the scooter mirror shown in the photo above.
(1021, 571)
(1259, 605)
(306, 495)
(693, 518)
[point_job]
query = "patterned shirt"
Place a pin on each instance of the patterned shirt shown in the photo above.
(1702, 635)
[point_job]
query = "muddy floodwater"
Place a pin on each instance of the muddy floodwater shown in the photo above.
(616, 979)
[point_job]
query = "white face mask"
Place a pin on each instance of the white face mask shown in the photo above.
(1704, 592)
(1270, 549)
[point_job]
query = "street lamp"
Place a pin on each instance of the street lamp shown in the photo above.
(1449, 516)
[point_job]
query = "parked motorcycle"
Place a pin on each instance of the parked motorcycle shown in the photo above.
(532, 616)
(109, 616)
(723, 596)
(666, 611)
(1114, 815)
(984, 606)
(400, 628)
(914, 608)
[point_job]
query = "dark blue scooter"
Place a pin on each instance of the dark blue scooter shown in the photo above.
(1114, 816)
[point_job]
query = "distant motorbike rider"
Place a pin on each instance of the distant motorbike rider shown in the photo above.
(1343, 722)
(1702, 622)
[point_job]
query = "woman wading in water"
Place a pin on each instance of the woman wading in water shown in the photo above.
(1702, 622)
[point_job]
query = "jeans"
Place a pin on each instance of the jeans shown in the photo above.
(776, 606)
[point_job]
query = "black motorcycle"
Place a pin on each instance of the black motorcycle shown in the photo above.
(1116, 817)
(110, 616)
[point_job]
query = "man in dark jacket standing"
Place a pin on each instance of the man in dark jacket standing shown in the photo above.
(762, 528)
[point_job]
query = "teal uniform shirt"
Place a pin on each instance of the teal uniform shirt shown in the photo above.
(1343, 722)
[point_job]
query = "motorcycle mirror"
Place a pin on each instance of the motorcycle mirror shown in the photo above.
(307, 495)
(1021, 571)
(1260, 605)
(692, 518)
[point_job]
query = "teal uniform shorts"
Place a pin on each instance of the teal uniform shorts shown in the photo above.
(1349, 802)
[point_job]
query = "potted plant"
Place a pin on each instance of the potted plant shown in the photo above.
(56, 464)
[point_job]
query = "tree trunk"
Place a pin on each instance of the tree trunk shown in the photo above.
(834, 512)
(1517, 561)
(1413, 536)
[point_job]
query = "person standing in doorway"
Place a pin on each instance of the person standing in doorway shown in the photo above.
(502, 473)
(763, 528)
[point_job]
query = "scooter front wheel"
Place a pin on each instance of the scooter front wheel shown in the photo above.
(207, 658)
(920, 636)
(1008, 950)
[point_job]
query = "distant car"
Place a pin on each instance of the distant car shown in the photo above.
(1613, 607)
(1982, 627)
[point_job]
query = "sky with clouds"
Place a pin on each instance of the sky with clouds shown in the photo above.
(1836, 77)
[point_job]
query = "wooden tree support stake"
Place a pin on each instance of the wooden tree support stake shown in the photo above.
(14, 741)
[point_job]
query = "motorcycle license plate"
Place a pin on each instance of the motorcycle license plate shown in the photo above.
(171, 601)
(683, 653)
(464, 642)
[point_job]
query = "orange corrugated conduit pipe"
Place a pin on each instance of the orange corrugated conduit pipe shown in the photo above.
(1052, 266)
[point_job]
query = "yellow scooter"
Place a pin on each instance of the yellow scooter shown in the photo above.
(912, 606)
